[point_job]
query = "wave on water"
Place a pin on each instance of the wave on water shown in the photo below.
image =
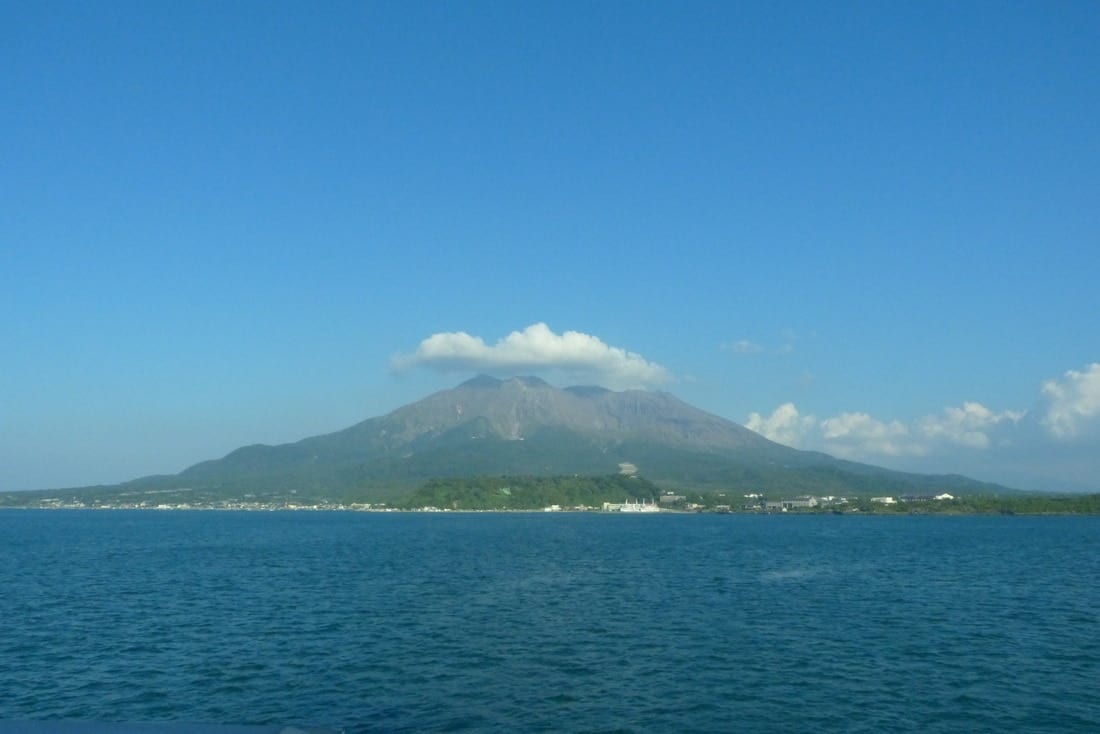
(522, 622)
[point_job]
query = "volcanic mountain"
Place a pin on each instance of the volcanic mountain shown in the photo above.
(524, 426)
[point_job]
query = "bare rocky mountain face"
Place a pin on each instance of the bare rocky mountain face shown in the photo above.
(525, 426)
(522, 406)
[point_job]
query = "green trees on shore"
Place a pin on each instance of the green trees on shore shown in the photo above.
(530, 493)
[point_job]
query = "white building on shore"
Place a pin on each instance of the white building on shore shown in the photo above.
(631, 506)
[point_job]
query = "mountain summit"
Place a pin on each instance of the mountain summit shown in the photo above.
(521, 407)
(523, 425)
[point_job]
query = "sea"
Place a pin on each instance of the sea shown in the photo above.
(552, 622)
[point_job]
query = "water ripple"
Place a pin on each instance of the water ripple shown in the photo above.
(552, 623)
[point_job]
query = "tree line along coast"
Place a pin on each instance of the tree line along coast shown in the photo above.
(603, 493)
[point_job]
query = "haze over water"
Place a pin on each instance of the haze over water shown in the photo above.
(533, 622)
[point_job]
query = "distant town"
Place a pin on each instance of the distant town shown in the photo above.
(668, 502)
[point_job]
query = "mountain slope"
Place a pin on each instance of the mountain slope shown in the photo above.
(524, 426)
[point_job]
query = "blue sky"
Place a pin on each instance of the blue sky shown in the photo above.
(866, 228)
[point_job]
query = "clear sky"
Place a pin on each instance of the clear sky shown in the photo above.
(866, 228)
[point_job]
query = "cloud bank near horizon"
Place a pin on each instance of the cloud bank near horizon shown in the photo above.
(1067, 413)
(537, 348)
(1072, 403)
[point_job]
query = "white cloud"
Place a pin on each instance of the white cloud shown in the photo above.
(1050, 446)
(744, 346)
(851, 435)
(784, 425)
(533, 349)
(968, 426)
(861, 435)
(1072, 402)
(857, 434)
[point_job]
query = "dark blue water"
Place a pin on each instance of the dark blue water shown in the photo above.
(549, 622)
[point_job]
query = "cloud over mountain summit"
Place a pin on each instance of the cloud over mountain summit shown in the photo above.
(536, 348)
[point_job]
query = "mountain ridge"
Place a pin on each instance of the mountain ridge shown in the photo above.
(525, 426)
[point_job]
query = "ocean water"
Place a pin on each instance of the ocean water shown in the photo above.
(552, 622)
